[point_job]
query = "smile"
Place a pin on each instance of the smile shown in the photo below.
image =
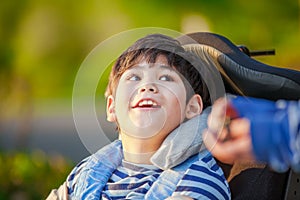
(146, 103)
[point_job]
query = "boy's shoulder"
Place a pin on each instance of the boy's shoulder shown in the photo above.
(203, 158)
(95, 168)
(202, 176)
(109, 155)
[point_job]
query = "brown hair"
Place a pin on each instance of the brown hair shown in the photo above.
(149, 48)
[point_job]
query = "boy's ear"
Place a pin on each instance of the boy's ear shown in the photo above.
(194, 106)
(110, 109)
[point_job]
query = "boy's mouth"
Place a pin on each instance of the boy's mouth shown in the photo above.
(146, 103)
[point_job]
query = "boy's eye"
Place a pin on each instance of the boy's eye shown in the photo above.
(133, 77)
(166, 78)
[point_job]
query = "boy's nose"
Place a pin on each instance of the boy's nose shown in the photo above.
(148, 88)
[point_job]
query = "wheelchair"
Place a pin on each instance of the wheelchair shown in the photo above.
(243, 75)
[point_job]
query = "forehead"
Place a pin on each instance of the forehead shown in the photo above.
(154, 66)
(160, 63)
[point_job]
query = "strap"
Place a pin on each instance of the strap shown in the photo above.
(293, 186)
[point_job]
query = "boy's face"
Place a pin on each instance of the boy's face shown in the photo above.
(150, 100)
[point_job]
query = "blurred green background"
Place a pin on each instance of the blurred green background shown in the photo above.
(43, 43)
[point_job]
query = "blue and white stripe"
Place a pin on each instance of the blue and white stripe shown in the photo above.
(130, 181)
(105, 176)
(204, 180)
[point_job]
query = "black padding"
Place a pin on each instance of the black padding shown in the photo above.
(253, 78)
(260, 184)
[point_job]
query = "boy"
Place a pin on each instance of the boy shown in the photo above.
(152, 90)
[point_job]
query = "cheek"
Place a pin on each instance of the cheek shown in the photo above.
(123, 99)
(120, 99)
(123, 93)
(177, 105)
(179, 97)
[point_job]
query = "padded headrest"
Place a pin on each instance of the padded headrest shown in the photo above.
(241, 74)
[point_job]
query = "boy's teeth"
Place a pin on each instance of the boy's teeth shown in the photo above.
(147, 102)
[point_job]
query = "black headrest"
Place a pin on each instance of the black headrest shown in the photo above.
(241, 73)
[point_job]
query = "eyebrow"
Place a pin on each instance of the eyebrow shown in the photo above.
(166, 67)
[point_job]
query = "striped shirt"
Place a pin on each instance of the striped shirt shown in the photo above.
(202, 180)
(130, 181)
(105, 175)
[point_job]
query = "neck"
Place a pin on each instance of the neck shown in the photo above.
(138, 150)
(139, 158)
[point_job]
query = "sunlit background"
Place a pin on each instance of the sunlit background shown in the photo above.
(43, 43)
